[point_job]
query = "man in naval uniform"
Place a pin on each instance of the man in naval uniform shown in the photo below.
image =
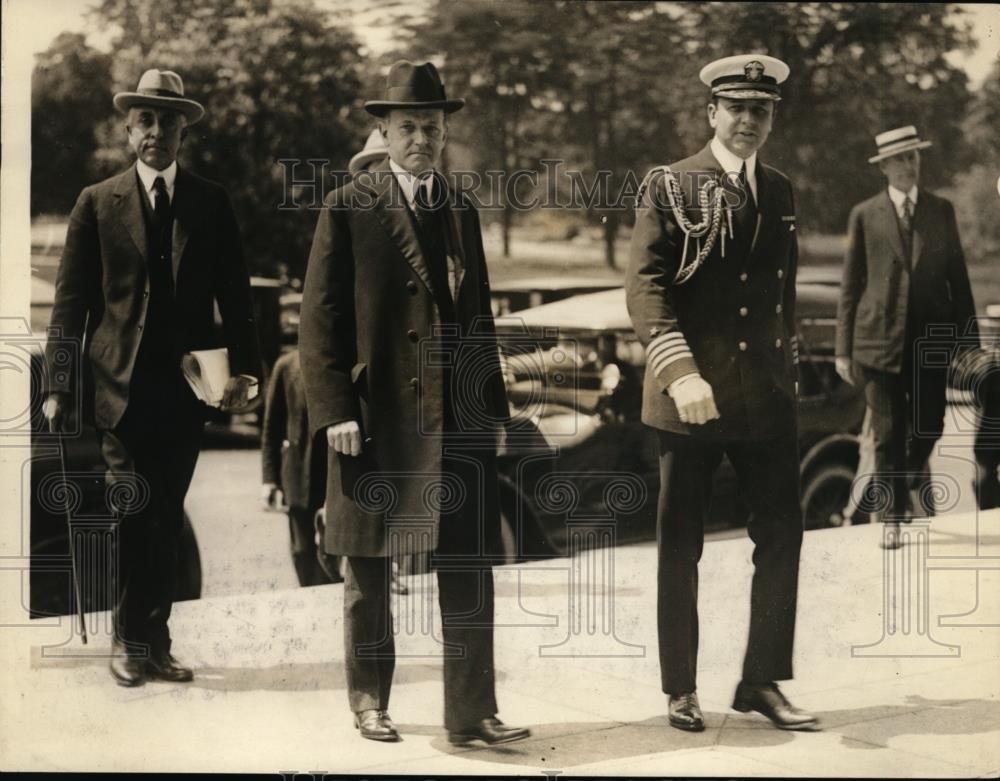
(714, 306)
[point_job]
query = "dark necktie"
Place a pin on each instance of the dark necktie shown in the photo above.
(906, 223)
(907, 216)
(161, 263)
(423, 203)
(745, 184)
(745, 216)
(161, 209)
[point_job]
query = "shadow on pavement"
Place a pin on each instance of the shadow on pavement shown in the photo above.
(574, 744)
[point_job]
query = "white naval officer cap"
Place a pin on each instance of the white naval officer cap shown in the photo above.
(745, 77)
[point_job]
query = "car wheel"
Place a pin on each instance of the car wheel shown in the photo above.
(188, 564)
(825, 494)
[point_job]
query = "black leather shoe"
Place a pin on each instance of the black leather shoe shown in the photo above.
(164, 667)
(127, 670)
(491, 731)
(376, 725)
(685, 713)
(767, 699)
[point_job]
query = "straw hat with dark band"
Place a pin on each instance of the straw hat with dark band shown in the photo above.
(895, 142)
(162, 89)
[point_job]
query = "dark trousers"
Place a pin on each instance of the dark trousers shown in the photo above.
(907, 412)
(987, 446)
(150, 458)
(768, 476)
(302, 532)
(466, 602)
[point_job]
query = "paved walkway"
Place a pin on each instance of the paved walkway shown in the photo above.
(902, 669)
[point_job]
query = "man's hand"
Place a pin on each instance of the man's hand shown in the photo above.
(845, 368)
(694, 399)
(236, 395)
(345, 437)
(272, 497)
(54, 411)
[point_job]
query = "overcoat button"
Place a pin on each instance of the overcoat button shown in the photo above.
(743, 277)
(412, 334)
(777, 343)
(744, 311)
(414, 383)
(743, 347)
(781, 273)
(411, 286)
(777, 309)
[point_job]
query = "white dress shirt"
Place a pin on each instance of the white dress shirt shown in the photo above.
(733, 163)
(408, 183)
(898, 198)
(148, 174)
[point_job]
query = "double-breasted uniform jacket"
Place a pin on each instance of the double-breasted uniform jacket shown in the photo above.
(883, 292)
(733, 321)
(288, 456)
(102, 289)
(368, 345)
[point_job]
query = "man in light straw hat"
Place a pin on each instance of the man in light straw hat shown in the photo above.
(711, 293)
(148, 254)
(904, 273)
(403, 379)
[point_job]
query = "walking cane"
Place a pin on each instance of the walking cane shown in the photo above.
(72, 547)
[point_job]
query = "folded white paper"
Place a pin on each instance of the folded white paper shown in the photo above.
(207, 372)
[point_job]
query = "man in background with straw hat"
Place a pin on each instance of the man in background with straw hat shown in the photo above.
(148, 255)
(904, 274)
(403, 378)
(713, 302)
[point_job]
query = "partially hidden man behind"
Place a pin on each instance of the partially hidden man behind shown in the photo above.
(714, 305)
(904, 273)
(412, 437)
(148, 254)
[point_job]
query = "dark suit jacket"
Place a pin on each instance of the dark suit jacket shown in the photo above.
(102, 288)
(733, 321)
(287, 453)
(367, 343)
(883, 292)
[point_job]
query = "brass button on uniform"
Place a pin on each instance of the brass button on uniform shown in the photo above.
(744, 311)
(414, 383)
(413, 336)
(743, 277)
(412, 287)
(777, 343)
(777, 309)
(743, 347)
(781, 273)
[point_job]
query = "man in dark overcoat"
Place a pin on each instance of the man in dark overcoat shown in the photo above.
(714, 306)
(904, 282)
(403, 378)
(148, 255)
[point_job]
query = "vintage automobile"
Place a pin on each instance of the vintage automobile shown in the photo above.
(514, 295)
(577, 452)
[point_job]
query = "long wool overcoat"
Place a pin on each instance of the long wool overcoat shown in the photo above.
(374, 349)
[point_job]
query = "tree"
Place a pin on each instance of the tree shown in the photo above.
(279, 82)
(856, 69)
(70, 96)
(501, 59)
(974, 191)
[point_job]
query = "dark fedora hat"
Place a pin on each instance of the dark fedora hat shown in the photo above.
(413, 86)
